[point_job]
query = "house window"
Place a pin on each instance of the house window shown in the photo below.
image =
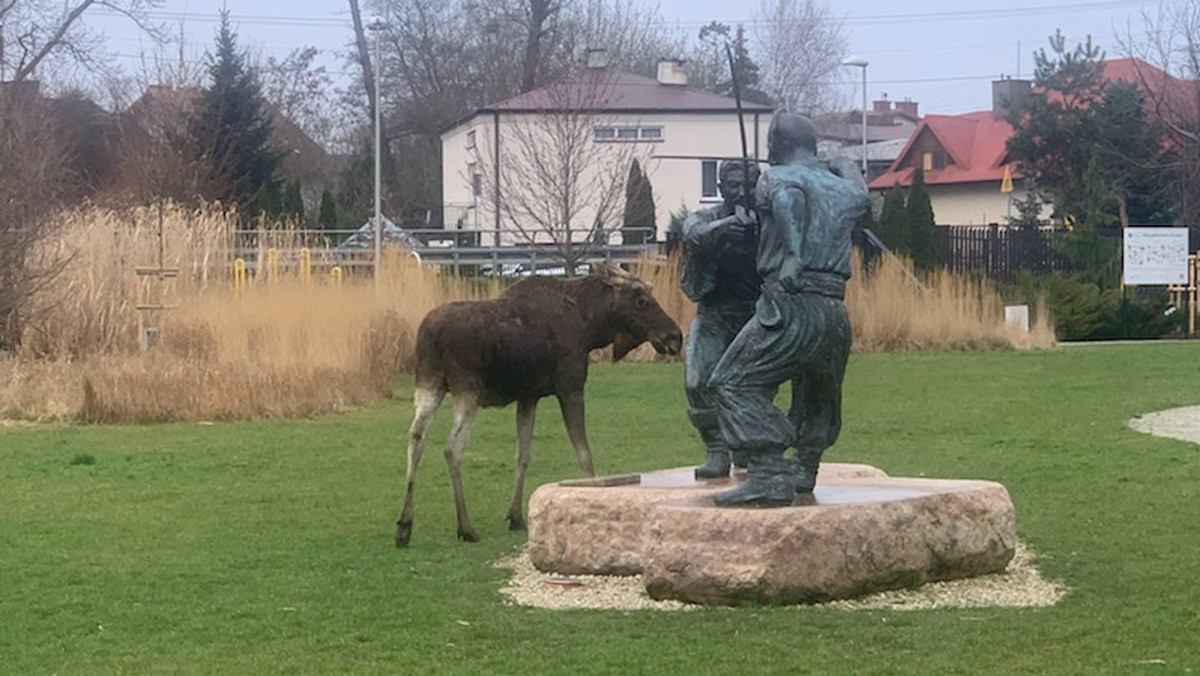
(708, 180)
(476, 178)
(628, 134)
(471, 139)
(927, 161)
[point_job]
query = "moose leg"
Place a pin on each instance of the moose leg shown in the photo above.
(465, 408)
(526, 408)
(571, 404)
(426, 402)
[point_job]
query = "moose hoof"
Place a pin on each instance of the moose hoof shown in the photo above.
(403, 533)
(468, 535)
(516, 522)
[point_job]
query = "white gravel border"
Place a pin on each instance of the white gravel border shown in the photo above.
(1020, 585)
(1174, 423)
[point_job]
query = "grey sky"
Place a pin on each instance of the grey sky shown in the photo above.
(940, 53)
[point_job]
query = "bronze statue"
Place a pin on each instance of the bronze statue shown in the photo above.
(800, 330)
(720, 275)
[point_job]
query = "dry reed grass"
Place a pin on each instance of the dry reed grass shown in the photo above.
(287, 346)
(892, 309)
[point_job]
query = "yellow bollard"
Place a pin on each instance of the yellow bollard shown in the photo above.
(239, 275)
(305, 268)
(336, 275)
(272, 266)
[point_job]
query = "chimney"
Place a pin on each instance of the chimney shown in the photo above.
(908, 109)
(1008, 94)
(882, 106)
(596, 58)
(671, 72)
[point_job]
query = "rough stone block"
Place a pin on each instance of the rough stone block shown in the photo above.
(597, 530)
(856, 536)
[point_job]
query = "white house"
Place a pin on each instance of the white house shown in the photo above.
(574, 141)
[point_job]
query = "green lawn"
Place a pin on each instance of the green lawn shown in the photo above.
(259, 548)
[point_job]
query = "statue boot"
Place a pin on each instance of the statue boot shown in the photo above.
(716, 462)
(770, 482)
(716, 465)
(804, 470)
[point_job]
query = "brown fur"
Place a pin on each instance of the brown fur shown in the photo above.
(530, 343)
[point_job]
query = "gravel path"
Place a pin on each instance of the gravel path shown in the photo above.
(1174, 423)
(1019, 586)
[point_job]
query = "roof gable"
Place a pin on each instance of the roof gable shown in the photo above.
(607, 90)
(975, 143)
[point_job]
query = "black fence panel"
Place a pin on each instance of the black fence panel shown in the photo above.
(998, 252)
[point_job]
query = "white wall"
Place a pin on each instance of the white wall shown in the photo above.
(675, 181)
(974, 204)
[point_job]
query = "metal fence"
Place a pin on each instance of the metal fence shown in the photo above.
(998, 252)
(463, 252)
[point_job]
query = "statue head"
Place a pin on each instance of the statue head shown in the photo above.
(732, 180)
(790, 133)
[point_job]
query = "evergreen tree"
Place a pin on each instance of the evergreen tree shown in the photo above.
(639, 207)
(232, 131)
(327, 218)
(922, 231)
(355, 200)
(893, 221)
(292, 206)
(1087, 143)
(716, 36)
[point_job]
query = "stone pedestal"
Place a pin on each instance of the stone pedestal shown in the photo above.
(594, 526)
(857, 536)
(860, 531)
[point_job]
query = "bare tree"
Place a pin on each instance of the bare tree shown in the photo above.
(32, 177)
(800, 48)
(554, 182)
(444, 59)
(540, 28)
(300, 90)
(34, 32)
(632, 34)
(1169, 38)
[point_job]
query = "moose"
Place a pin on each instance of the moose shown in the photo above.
(531, 342)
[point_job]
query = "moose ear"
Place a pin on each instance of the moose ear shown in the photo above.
(602, 270)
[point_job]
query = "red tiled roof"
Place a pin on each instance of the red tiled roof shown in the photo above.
(603, 89)
(1166, 95)
(974, 142)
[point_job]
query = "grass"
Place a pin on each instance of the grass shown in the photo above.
(265, 547)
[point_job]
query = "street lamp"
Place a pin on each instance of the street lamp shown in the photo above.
(859, 62)
(377, 26)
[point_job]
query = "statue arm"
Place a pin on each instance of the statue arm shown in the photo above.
(848, 169)
(701, 232)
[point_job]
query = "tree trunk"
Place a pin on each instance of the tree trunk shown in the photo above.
(540, 12)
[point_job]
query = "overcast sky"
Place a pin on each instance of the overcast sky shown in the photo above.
(941, 53)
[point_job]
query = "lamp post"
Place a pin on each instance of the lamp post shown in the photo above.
(377, 26)
(859, 62)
